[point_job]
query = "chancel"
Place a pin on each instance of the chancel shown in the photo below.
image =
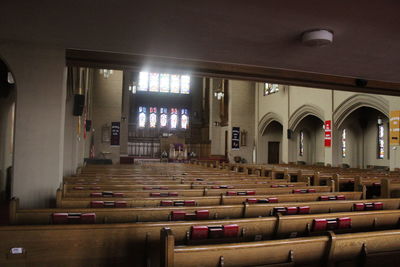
(212, 133)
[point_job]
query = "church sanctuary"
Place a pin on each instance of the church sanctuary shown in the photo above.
(199, 133)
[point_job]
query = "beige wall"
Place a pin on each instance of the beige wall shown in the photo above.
(107, 101)
(291, 100)
(40, 76)
(241, 114)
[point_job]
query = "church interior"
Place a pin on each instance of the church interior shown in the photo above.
(199, 133)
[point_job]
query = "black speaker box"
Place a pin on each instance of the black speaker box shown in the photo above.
(79, 103)
(88, 125)
(289, 134)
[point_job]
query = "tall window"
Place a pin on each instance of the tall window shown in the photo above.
(381, 140)
(174, 118)
(154, 82)
(164, 82)
(143, 81)
(301, 143)
(142, 117)
(163, 117)
(153, 117)
(344, 143)
(184, 118)
(175, 83)
(185, 84)
(270, 88)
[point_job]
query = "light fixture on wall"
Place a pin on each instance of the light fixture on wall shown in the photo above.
(132, 88)
(219, 93)
(379, 121)
(106, 73)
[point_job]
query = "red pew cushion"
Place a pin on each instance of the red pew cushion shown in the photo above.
(231, 230)
(202, 214)
(178, 215)
(97, 204)
(344, 223)
(319, 224)
(199, 232)
(88, 218)
(60, 218)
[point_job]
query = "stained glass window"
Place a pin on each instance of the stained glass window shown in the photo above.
(143, 81)
(175, 83)
(154, 82)
(184, 118)
(301, 143)
(381, 141)
(270, 88)
(163, 117)
(174, 118)
(164, 83)
(344, 143)
(185, 84)
(153, 117)
(142, 117)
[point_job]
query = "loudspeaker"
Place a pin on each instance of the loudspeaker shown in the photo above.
(289, 134)
(88, 125)
(361, 82)
(79, 103)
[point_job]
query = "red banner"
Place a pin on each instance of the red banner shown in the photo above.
(328, 133)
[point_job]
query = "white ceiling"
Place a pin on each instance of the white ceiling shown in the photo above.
(257, 32)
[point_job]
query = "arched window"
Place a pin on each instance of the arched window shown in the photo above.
(174, 118)
(301, 143)
(184, 118)
(381, 140)
(163, 117)
(343, 143)
(142, 117)
(153, 117)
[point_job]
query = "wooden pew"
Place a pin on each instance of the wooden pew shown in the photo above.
(193, 185)
(357, 249)
(95, 245)
(203, 192)
(201, 201)
(245, 210)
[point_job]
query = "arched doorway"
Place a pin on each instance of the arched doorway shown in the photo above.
(362, 139)
(306, 144)
(271, 143)
(7, 117)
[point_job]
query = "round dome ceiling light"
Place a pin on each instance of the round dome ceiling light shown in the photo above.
(317, 37)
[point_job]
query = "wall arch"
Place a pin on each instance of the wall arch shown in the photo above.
(357, 101)
(303, 112)
(266, 120)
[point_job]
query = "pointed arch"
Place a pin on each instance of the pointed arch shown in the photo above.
(267, 119)
(303, 112)
(357, 101)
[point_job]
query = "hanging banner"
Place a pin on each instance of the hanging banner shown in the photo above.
(394, 128)
(115, 130)
(235, 138)
(328, 133)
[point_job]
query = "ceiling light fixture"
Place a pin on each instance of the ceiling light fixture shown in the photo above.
(317, 37)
